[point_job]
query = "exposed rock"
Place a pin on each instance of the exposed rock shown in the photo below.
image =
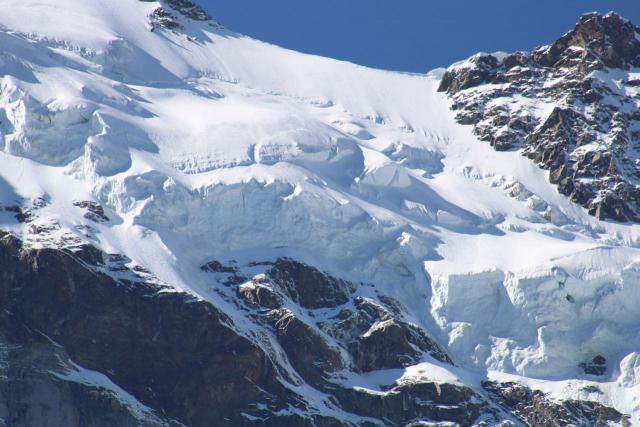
(376, 339)
(413, 402)
(88, 254)
(80, 347)
(372, 334)
(232, 273)
(308, 286)
(259, 295)
(310, 355)
(95, 212)
(162, 16)
(483, 70)
(610, 40)
(172, 353)
(23, 215)
(534, 408)
(189, 9)
(389, 344)
(38, 388)
(217, 267)
(586, 140)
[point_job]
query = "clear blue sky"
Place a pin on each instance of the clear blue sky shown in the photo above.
(408, 35)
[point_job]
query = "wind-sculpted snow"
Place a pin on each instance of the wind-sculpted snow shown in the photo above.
(169, 146)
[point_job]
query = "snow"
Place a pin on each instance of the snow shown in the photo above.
(220, 146)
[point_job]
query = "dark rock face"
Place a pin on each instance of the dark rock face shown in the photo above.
(585, 131)
(307, 286)
(415, 402)
(376, 339)
(608, 39)
(387, 344)
(309, 354)
(86, 340)
(162, 18)
(372, 333)
(180, 359)
(173, 353)
(189, 9)
(535, 409)
(34, 392)
(362, 335)
(166, 16)
(26, 214)
(94, 211)
(258, 295)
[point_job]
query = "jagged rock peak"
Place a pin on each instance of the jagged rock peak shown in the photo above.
(608, 38)
(189, 9)
(595, 42)
(165, 15)
(584, 130)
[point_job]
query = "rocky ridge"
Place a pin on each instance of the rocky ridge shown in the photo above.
(573, 107)
(166, 15)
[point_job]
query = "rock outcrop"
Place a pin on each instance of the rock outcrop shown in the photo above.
(167, 15)
(173, 353)
(535, 409)
(571, 107)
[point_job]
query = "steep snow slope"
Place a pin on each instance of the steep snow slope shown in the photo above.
(200, 144)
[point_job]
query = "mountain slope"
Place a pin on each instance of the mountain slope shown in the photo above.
(361, 254)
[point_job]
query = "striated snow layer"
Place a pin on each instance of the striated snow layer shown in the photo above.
(205, 144)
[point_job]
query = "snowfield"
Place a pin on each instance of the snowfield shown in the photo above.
(205, 144)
